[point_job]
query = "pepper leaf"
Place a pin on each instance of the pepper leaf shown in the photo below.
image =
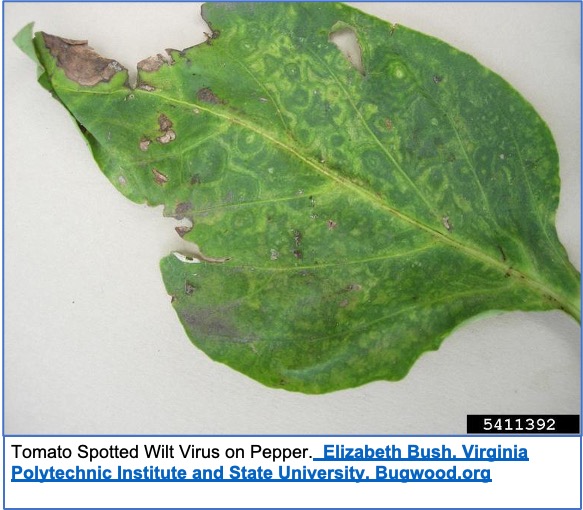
(352, 207)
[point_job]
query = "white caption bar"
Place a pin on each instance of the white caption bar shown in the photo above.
(255, 472)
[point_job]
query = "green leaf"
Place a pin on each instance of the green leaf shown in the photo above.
(350, 217)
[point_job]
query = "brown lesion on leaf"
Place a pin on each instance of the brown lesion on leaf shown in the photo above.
(388, 124)
(167, 137)
(297, 237)
(81, 63)
(331, 224)
(447, 223)
(159, 177)
(212, 36)
(144, 144)
(214, 322)
(168, 134)
(189, 288)
(151, 64)
(182, 231)
(210, 324)
(206, 95)
(181, 210)
(164, 122)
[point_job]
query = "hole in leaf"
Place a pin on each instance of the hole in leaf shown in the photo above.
(346, 41)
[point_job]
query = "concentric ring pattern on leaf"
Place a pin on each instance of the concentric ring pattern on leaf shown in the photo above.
(359, 213)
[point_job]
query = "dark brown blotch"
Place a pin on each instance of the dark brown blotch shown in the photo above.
(297, 237)
(144, 144)
(151, 64)
(189, 288)
(213, 322)
(182, 209)
(182, 231)
(206, 95)
(168, 134)
(164, 122)
(159, 177)
(80, 62)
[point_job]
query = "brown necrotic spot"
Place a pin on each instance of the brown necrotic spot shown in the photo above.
(189, 288)
(213, 35)
(151, 64)
(168, 134)
(80, 62)
(331, 224)
(297, 237)
(164, 122)
(159, 177)
(447, 223)
(213, 322)
(182, 231)
(165, 127)
(206, 95)
(182, 209)
(144, 144)
(167, 137)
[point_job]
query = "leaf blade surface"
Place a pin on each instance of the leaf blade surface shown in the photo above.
(365, 215)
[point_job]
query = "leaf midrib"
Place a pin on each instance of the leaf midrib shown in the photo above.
(370, 196)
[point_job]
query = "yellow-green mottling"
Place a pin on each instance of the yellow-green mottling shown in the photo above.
(364, 215)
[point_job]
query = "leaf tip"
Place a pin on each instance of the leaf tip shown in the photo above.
(80, 62)
(24, 40)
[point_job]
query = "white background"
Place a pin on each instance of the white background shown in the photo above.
(92, 343)
(549, 480)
